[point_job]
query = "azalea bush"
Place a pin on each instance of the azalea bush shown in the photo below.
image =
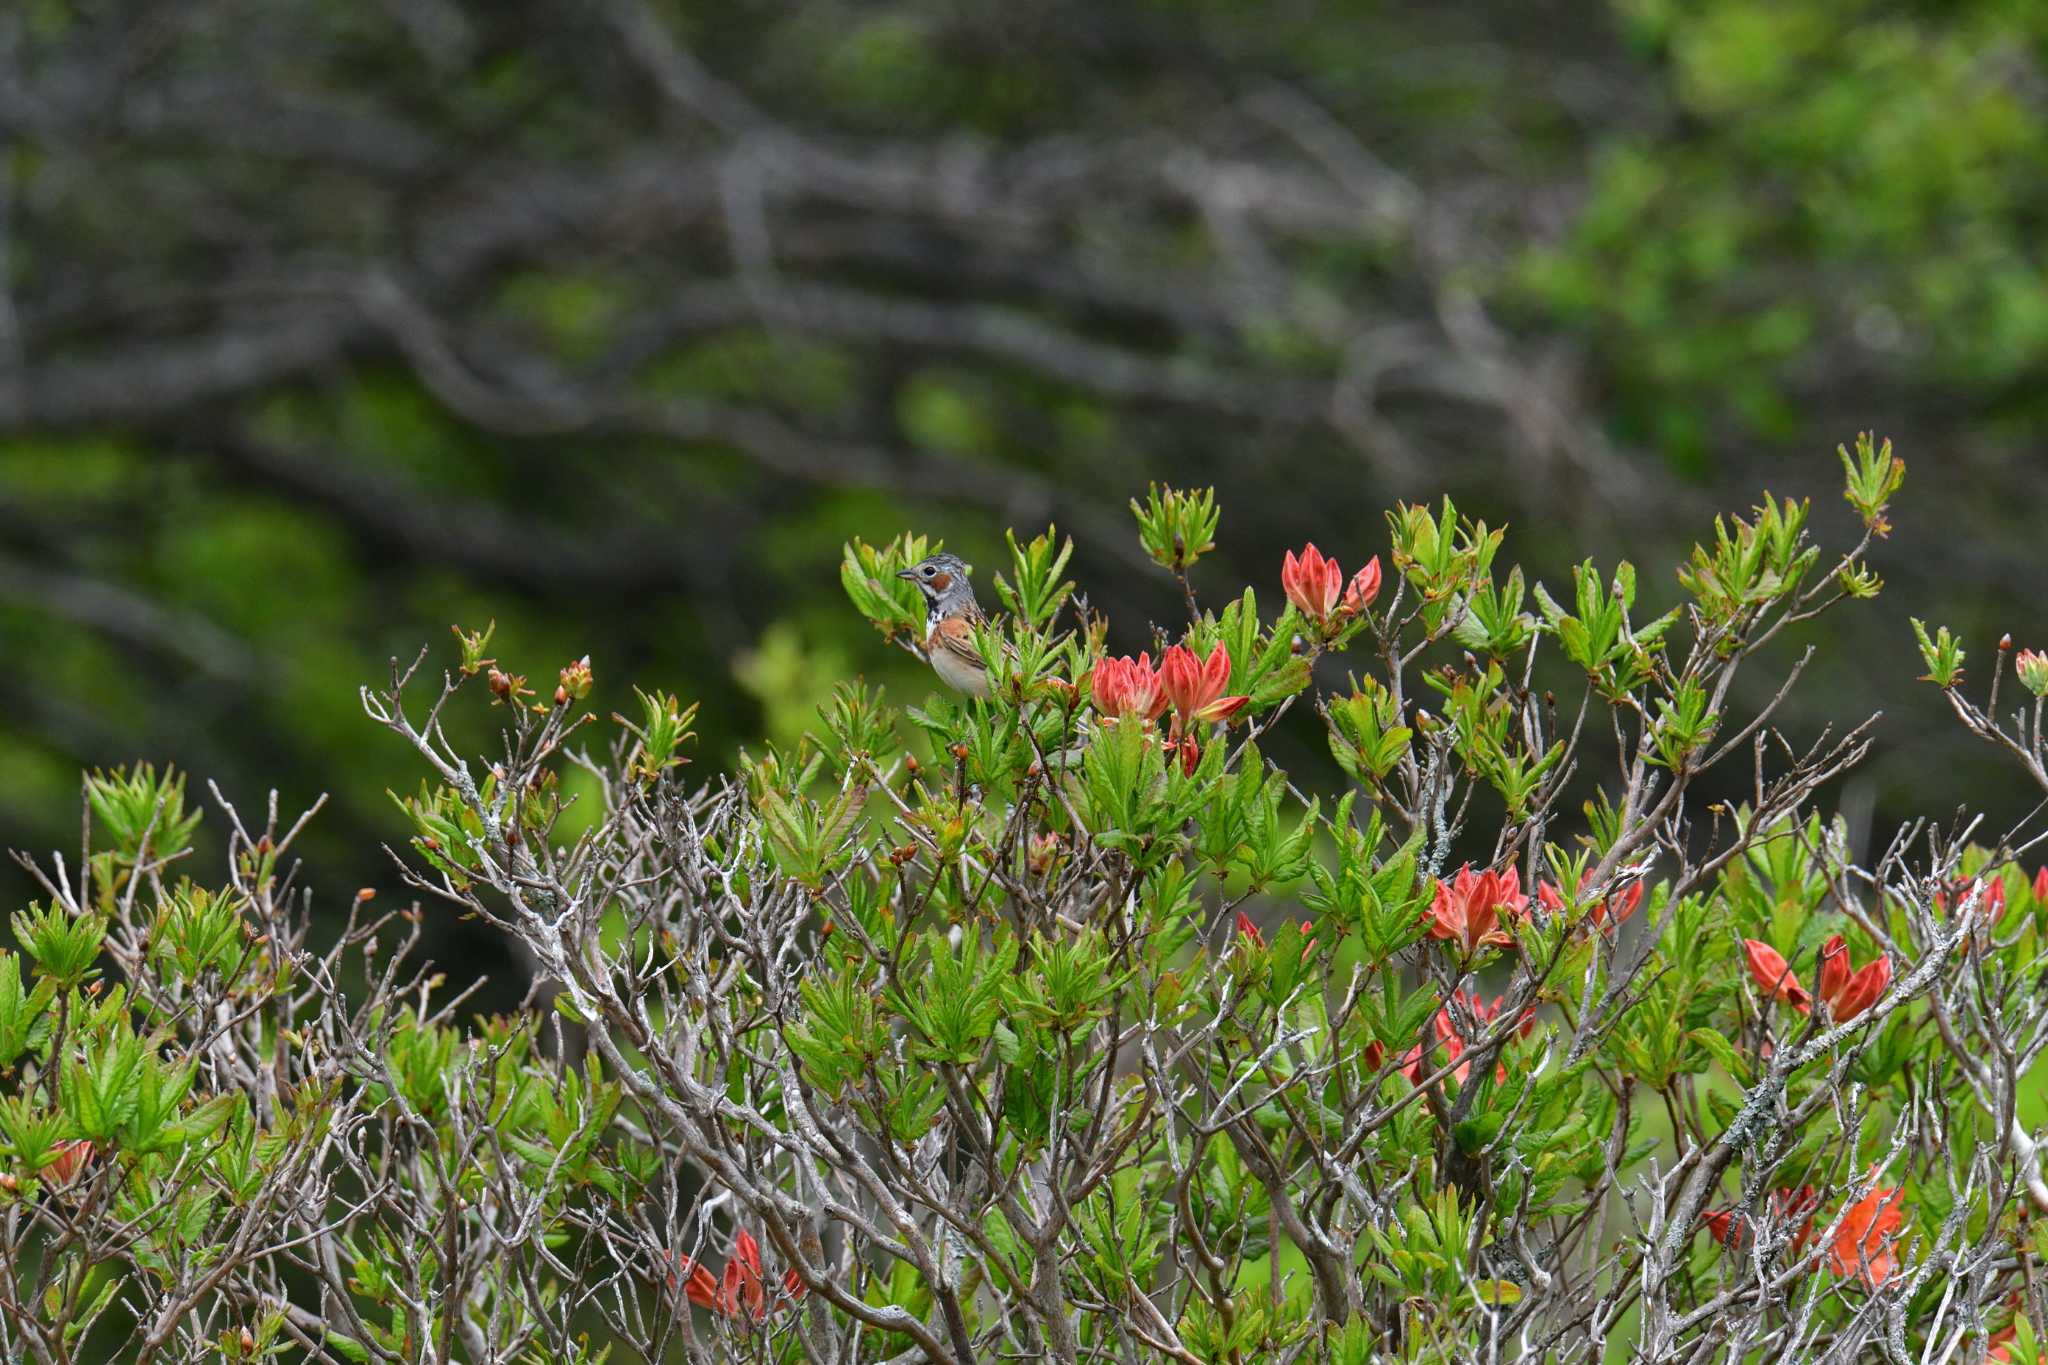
(1062, 1024)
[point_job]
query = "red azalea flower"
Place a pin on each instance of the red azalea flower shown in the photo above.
(1363, 588)
(1993, 903)
(1481, 1013)
(1985, 894)
(1467, 909)
(1484, 1012)
(700, 1286)
(1311, 582)
(1616, 909)
(71, 1156)
(1774, 975)
(1863, 1241)
(1785, 1205)
(740, 1290)
(1316, 586)
(1411, 1063)
(2041, 885)
(1128, 687)
(1834, 968)
(1248, 930)
(1849, 993)
(1195, 687)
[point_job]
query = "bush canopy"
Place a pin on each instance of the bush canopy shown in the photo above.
(1061, 1024)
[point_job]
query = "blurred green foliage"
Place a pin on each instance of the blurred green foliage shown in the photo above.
(1824, 177)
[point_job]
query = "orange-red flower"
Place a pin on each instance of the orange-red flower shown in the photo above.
(1618, 907)
(1363, 588)
(1467, 909)
(2041, 885)
(1994, 899)
(1863, 1240)
(1998, 1350)
(1484, 1012)
(1987, 893)
(1128, 687)
(1615, 910)
(1481, 1013)
(739, 1291)
(1411, 1061)
(1312, 582)
(1732, 1231)
(1316, 586)
(1195, 687)
(1848, 992)
(1774, 975)
(71, 1156)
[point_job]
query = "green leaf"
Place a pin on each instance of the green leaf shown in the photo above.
(24, 1015)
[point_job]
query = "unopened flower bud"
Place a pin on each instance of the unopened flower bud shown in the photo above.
(576, 679)
(2032, 666)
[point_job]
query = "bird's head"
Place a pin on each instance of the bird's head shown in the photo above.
(942, 578)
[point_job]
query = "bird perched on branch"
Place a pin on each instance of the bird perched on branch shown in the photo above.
(951, 614)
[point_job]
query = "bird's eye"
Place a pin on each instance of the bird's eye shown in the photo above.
(927, 571)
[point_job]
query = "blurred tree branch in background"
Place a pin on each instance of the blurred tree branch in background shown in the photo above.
(322, 322)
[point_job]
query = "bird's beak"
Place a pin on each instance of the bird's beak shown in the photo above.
(906, 573)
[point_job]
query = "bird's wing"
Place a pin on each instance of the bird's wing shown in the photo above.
(955, 637)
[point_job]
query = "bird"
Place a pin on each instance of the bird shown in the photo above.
(951, 614)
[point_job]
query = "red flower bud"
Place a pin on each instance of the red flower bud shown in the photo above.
(1311, 583)
(71, 1156)
(1834, 967)
(1774, 975)
(1363, 588)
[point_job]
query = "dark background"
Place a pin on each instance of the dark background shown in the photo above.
(328, 323)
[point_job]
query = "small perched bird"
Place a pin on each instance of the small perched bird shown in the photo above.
(950, 617)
